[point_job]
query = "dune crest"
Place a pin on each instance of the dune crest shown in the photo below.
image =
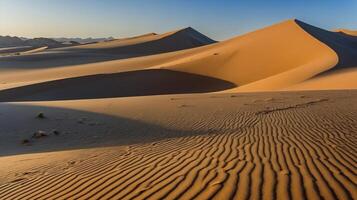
(259, 55)
(346, 31)
(151, 43)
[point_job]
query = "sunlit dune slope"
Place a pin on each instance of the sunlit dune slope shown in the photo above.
(273, 58)
(332, 80)
(261, 54)
(105, 57)
(344, 46)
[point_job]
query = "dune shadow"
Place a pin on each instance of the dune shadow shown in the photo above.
(77, 56)
(75, 130)
(53, 59)
(124, 84)
(344, 45)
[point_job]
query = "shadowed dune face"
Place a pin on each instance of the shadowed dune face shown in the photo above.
(344, 45)
(183, 39)
(132, 83)
(112, 50)
(15, 49)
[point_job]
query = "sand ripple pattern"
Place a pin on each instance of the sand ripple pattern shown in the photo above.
(294, 152)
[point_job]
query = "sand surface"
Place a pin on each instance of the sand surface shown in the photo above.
(268, 145)
(180, 116)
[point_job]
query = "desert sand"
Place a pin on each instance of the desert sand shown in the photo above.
(266, 115)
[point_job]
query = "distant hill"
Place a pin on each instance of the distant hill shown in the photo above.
(82, 40)
(8, 41)
(149, 44)
(39, 42)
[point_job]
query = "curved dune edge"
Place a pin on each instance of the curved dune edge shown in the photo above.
(123, 84)
(272, 58)
(258, 55)
(346, 31)
(249, 151)
(336, 80)
(35, 50)
(118, 42)
(150, 44)
(288, 78)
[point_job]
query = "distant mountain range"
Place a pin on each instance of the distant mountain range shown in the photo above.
(82, 40)
(9, 41)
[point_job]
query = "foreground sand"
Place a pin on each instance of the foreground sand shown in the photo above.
(287, 145)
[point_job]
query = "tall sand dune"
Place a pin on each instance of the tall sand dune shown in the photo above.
(344, 46)
(262, 54)
(273, 58)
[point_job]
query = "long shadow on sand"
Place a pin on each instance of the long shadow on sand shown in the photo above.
(344, 45)
(78, 130)
(184, 39)
(125, 84)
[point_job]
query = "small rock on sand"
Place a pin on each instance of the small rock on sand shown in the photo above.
(40, 115)
(39, 134)
(25, 141)
(55, 132)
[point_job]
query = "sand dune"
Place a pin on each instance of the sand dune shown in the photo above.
(124, 84)
(157, 43)
(334, 80)
(110, 50)
(149, 44)
(8, 50)
(228, 148)
(273, 58)
(346, 31)
(119, 120)
(261, 54)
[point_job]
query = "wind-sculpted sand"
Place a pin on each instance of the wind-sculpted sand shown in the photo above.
(297, 145)
(123, 119)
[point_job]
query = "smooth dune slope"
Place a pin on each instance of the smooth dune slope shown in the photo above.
(344, 46)
(123, 84)
(262, 54)
(333, 80)
(272, 58)
(99, 58)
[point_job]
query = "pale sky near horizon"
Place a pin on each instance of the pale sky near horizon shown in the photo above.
(123, 18)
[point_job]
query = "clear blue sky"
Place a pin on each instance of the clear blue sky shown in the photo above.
(219, 19)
